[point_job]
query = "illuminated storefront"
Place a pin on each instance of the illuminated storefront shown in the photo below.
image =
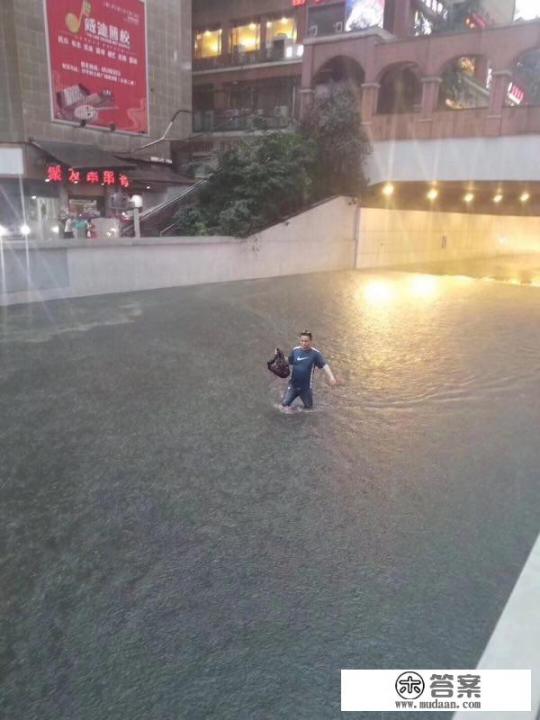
(246, 38)
(283, 28)
(63, 182)
(208, 44)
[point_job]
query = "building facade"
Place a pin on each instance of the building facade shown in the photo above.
(435, 71)
(84, 86)
(247, 57)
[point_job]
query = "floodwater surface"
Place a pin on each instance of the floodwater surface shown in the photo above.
(175, 547)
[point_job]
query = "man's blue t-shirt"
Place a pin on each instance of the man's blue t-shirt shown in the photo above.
(303, 364)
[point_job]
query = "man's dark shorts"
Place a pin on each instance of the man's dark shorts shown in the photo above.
(305, 395)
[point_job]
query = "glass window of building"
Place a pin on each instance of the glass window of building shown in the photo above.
(464, 84)
(283, 28)
(422, 25)
(326, 20)
(246, 38)
(362, 14)
(208, 44)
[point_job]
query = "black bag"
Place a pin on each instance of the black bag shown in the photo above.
(279, 365)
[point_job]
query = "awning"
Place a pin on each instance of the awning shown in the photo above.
(81, 157)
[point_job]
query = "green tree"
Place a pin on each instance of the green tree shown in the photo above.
(275, 175)
(333, 123)
(257, 184)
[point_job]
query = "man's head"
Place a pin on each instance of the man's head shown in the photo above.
(305, 340)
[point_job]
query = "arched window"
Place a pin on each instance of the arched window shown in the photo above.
(339, 71)
(400, 90)
(524, 88)
(465, 83)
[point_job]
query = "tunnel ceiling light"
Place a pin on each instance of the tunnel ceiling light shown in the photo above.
(468, 197)
(433, 194)
(497, 197)
(388, 190)
(524, 197)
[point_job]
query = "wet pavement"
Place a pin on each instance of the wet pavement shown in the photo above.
(174, 547)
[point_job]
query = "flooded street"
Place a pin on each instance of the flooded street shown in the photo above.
(175, 547)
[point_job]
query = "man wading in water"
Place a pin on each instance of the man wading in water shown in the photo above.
(304, 358)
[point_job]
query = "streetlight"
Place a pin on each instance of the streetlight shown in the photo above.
(497, 197)
(137, 202)
(388, 190)
(468, 198)
(433, 194)
(524, 197)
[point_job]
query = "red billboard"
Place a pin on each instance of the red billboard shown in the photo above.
(97, 61)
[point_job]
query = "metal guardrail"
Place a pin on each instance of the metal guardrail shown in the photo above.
(170, 204)
(277, 53)
(241, 120)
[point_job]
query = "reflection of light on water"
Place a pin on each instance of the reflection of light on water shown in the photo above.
(378, 292)
(424, 286)
(381, 293)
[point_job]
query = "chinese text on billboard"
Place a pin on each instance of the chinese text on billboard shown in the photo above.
(97, 57)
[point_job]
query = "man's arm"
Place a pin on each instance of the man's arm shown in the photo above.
(329, 374)
(321, 363)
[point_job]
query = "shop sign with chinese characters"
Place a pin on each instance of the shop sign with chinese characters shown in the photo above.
(59, 174)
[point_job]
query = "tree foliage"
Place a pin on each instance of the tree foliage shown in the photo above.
(275, 175)
(256, 184)
(333, 123)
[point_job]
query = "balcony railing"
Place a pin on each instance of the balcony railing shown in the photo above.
(278, 52)
(242, 120)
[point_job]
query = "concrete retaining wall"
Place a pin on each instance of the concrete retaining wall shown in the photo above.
(320, 239)
(317, 240)
(407, 237)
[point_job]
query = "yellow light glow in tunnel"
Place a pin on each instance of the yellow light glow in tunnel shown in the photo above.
(424, 286)
(378, 292)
